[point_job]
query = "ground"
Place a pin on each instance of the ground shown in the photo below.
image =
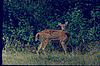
(54, 57)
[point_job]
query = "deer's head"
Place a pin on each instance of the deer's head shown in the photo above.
(63, 25)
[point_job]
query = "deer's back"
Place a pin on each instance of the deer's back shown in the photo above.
(53, 34)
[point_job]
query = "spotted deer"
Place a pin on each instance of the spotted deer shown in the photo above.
(47, 35)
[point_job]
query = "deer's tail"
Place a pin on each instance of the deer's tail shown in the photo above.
(36, 36)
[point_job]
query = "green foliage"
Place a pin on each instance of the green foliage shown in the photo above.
(75, 25)
(23, 19)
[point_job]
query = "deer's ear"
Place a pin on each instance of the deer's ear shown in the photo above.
(66, 23)
(59, 23)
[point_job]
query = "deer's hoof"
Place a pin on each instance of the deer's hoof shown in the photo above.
(65, 52)
(37, 52)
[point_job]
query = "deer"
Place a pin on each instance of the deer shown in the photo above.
(49, 34)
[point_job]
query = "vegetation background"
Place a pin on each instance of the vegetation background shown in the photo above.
(24, 18)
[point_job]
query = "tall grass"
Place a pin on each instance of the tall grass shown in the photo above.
(50, 58)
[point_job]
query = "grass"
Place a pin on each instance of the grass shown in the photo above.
(54, 57)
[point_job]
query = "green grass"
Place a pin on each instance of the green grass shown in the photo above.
(54, 57)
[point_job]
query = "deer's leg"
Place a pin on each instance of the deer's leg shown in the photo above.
(63, 46)
(39, 47)
(44, 45)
